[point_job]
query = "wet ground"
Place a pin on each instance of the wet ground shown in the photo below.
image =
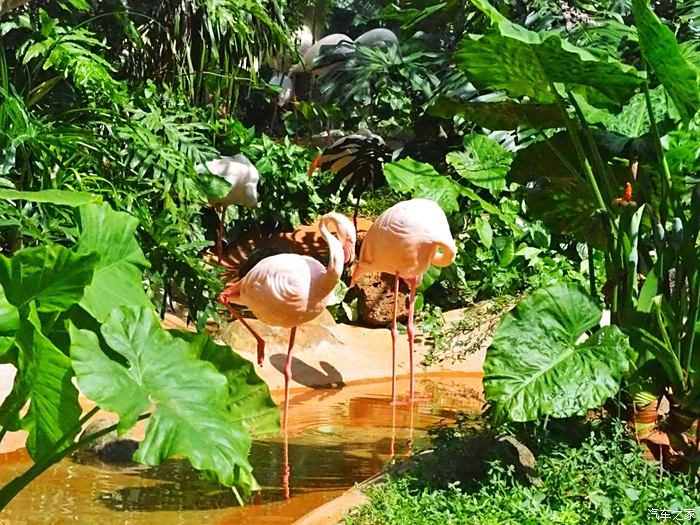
(336, 438)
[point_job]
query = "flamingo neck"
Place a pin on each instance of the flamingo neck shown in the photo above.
(336, 259)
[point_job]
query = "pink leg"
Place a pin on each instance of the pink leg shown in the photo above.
(288, 375)
(413, 282)
(285, 466)
(261, 342)
(394, 334)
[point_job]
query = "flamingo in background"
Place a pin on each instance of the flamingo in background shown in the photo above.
(404, 241)
(243, 177)
(290, 289)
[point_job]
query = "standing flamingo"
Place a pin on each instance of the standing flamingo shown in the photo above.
(290, 289)
(404, 241)
(243, 178)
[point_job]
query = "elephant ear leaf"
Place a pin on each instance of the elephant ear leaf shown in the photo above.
(118, 272)
(189, 398)
(52, 276)
(421, 180)
(661, 51)
(529, 64)
(9, 323)
(536, 365)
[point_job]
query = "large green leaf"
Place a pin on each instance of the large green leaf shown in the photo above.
(421, 180)
(190, 398)
(53, 276)
(9, 322)
(249, 402)
(560, 197)
(66, 198)
(502, 114)
(535, 367)
(118, 272)
(45, 376)
(484, 162)
(528, 64)
(660, 50)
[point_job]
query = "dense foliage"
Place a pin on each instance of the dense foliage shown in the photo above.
(602, 478)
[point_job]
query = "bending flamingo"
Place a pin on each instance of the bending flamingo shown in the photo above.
(243, 178)
(290, 289)
(404, 241)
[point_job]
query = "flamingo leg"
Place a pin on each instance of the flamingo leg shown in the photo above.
(285, 466)
(288, 375)
(260, 340)
(394, 335)
(413, 282)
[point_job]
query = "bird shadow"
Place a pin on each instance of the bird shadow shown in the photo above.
(309, 376)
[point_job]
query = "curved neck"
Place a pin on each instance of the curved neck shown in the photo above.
(336, 259)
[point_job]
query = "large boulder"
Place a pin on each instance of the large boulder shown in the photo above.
(375, 304)
(110, 448)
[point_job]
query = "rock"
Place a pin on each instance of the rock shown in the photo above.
(375, 305)
(109, 448)
(468, 460)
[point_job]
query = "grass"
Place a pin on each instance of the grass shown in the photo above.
(600, 479)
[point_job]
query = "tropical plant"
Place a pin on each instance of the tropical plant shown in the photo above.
(81, 313)
(588, 142)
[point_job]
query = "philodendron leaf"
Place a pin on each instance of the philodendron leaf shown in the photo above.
(189, 397)
(118, 272)
(65, 198)
(528, 64)
(484, 162)
(46, 376)
(9, 322)
(421, 180)
(660, 50)
(53, 276)
(249, 402)
(535, 367)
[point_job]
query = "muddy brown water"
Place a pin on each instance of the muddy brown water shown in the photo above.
(336, 438)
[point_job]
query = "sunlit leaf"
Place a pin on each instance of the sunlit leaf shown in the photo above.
(536, 367)
(421, 180)
(53, 276)
(190, 399)
(484, 162)
(46, 374)
(9, 322)
(249, 402)
(64, 198)
(528, 64)
(117, 280)
(660, 50)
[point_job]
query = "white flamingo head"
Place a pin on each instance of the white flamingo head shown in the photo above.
(345, 232)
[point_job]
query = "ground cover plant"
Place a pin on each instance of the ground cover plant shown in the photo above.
(586, 473)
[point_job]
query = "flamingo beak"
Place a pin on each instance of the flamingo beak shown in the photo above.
(349, 251)
(315, 164)
(224, 298)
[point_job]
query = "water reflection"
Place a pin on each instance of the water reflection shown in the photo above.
(336, 437)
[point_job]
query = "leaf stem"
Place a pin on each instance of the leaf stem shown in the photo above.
(666, 179)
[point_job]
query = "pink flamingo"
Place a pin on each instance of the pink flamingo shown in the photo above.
(290, 289)
(404, 241)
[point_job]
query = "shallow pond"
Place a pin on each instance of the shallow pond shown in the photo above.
(336, 437)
